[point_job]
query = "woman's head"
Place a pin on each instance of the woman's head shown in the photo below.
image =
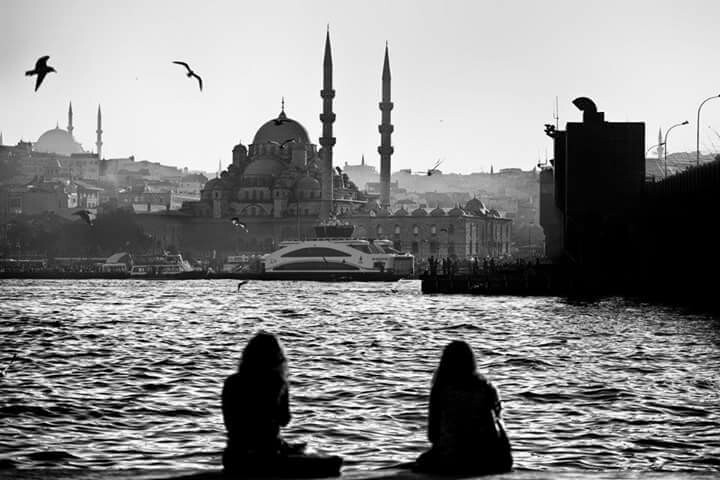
(262, 353)
(456, 364)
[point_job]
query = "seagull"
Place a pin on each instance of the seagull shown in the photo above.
(240, 284)
(282, 145)
(85, 215)
(236, 221)
(41, 69)
(190, 73)
(434, 168)
(339, 170)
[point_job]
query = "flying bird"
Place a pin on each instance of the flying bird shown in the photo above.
(41, 69)
(236, 221)
(85, 215)
(434, 168)
(190, 73)
(339, 170)
(282, 145)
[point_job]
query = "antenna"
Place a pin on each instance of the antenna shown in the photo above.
(556, 114)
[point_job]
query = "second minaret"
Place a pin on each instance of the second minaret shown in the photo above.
(385, 149)
(327, 140)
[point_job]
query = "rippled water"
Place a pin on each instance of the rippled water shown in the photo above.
(128, 373)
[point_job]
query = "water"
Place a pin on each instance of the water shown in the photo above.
(128, 374)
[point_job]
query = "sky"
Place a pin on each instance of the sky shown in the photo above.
(473, 81)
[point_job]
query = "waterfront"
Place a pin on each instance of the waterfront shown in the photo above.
(127, 374)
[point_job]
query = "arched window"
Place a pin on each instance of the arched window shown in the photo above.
(379, 230)
(416, 230)
(433, 230)
(397, 229)
(451, 229)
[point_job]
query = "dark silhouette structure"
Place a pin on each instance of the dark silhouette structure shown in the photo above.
(465, 424)
(611, 230)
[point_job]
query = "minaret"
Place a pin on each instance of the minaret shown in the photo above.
(70, 125)
(98, 142)
(385, 149)
(362, 160)
(1, 140)
(327, 140)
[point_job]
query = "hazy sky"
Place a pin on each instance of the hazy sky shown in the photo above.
(473, 81)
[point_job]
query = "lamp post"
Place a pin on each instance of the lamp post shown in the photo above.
(697, 138)
(665, 142)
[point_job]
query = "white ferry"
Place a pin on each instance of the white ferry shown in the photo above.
(160, 266)
(336, 256)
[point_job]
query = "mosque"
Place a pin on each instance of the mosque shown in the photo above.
(57, 155)
(281, 185)
(62, 142)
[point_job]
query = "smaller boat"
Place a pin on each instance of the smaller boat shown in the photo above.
(158, 266)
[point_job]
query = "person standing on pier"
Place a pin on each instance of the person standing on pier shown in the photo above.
(465, 425)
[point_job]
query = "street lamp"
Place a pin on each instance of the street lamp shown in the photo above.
(665, 142)
(697, 139)
(648, 150)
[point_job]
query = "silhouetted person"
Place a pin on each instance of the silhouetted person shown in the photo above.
(464, 425)
(255, 404)
(41, 69)
(433, 266)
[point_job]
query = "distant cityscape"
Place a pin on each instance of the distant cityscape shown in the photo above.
(279, 186)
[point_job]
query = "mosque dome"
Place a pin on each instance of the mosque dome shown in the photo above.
(57, 141)
(476, 207)
(265, 167)
(401, 212)
(456, 212)
(419, 212)
(437, 212)
(280, 130)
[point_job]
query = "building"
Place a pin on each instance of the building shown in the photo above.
(461, 232)
(362, 174)
(281, 185)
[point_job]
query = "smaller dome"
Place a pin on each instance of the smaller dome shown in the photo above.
(307, 183)
(401, 212)
(419, 212)
(476, 207)
(438, 212)
(456, 212)
(265, 166)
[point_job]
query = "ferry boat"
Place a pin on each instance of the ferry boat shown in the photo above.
(334, 256)
(167, 265)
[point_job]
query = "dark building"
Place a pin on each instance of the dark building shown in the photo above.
(596, 180)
